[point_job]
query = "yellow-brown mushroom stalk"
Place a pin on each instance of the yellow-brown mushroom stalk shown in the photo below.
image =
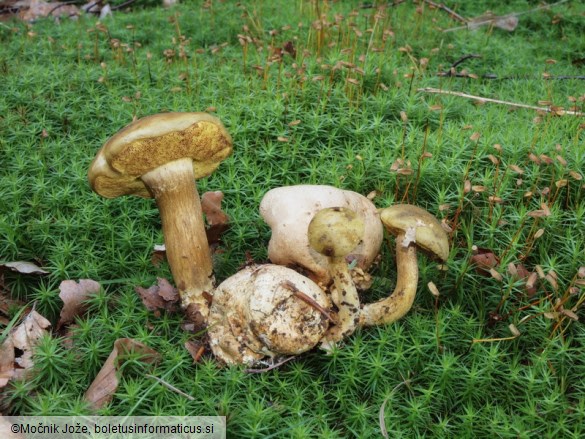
(413, 227)
(161, 156)
(334, 232)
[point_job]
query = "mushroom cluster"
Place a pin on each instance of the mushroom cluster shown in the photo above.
(323, 242)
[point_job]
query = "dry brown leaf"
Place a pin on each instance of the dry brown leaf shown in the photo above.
(39, 9)
(24, 267)
(196, 349)
(6, 362)
(158, 254)
(74, 294)
(484, 261)
(211, 206)
(159, 297)
(17, 350)
(217, 220)
(103, 387)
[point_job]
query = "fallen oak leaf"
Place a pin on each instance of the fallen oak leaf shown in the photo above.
(196, 349)
(159, 297)
(211, 207)
(74, 294)
(102, 389)
(6, 362)
(39, 9)
(17, 350)
(217, 220)
(24, 267)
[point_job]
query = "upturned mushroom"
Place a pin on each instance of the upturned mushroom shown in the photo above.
(266, 311)
(289, 210)
(334, 232)
(413, 227)
(161, 156)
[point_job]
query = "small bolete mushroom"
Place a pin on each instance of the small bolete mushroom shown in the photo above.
(289, 210)
(161, 156)
(266, 311)
(413, 227)
(334, 232)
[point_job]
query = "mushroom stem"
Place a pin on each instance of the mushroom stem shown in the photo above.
(345, 298)
(399, 303)
(173, 186)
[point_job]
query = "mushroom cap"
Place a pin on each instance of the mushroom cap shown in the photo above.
(153, 141)
(289, 210)
(335, 231)
(420, 227)
(256, 313)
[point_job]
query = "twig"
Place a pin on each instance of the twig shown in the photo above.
(489, 340)
(515, 14)
(60, 6)
(372, 6)
(465, 58)
(451, 73)
(171, 387)
(451, 12)
(90, 6)
(269, 368)
(308, 300)
(123, 5)
(381, 414)
(493, 76)
(497, 101)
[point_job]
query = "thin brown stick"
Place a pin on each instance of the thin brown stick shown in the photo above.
(308, 300)
(515, 14)
(269, 368)
(451, 12)
(171, 387)
(497, 101)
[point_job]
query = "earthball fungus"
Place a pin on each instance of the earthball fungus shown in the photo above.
(413, 227)
(266, 311)
(289, 210)
(161, 156)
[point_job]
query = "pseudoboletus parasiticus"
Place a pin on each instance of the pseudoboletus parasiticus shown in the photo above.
(161, 156)
(289, 210)
(413, 227)
(334, 232)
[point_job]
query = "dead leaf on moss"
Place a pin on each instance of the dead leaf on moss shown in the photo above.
(159, 254)
(74, 294)
(17, 350)
(484, 261)
(24, 267)
(196, 349)
(103, 387)
(217, 220)
(159, 297)
(39, 9)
